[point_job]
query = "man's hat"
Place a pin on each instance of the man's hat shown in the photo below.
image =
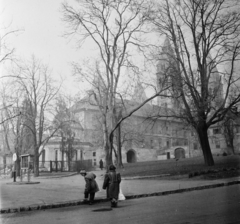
(83, 172)
(112, 167)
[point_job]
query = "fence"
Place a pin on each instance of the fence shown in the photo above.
(52, 166)
(6, 169)
(63, 166)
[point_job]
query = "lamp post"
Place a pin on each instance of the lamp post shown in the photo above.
(14, 167)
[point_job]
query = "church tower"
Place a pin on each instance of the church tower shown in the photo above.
(166, 76)
(215, 85)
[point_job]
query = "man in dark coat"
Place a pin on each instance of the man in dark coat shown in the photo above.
(112, 182)
(91, 186)
(101, 164)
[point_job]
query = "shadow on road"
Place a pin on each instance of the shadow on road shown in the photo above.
(102, 210)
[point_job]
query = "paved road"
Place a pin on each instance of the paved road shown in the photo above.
(218, 205)
(71, 188)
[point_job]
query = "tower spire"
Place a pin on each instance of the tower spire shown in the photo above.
(139, 94)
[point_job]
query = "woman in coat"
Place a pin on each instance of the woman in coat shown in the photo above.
(91, 186)
(111, 183)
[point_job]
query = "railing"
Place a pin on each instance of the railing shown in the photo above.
(51, 166)
(5, 169)
(64, 166)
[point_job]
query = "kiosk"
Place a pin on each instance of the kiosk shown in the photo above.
(26, 165)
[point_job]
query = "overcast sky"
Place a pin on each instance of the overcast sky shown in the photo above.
(42, 33)
(42, 29)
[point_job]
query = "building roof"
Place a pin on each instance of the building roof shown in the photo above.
(77, 142)
(146, 111)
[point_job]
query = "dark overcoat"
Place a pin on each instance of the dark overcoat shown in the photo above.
(101, 164)
(91, 184)
(112, 182)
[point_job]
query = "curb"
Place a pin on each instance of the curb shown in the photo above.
(60, 176)
(144, 177)
(23, 182)
(81, 202)
(43, 177)
(183, 190)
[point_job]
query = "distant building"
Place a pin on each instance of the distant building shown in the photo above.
(152, 140)
(143, 139)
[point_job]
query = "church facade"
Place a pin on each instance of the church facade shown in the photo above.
(145, 138)
(142, 139)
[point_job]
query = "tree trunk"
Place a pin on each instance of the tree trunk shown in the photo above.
(69, 155)
(4, 163)
(62, 164)
(106, 143)
(231, 144)
(115, 161)
(108, 153)
(110, 161)
(17, 163)
(119, 147)
(229, 136)
(62, 149)
(203, 138)
(36, 162)
(18, 166)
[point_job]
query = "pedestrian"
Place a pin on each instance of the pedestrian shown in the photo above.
(91, 186)
(101, 164)
(111, 183)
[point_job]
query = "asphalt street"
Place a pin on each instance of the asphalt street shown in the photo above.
(217, 205)
(52, 192)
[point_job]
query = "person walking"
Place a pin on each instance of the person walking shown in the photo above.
(91, 186)
(101, 164)
(111, 183)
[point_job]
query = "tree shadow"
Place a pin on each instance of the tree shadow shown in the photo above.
(108, 209)
(102, 210)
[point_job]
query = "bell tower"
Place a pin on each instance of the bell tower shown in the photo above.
(165, 75)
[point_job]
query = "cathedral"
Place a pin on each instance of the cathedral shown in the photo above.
(145, 135)
(145, 138)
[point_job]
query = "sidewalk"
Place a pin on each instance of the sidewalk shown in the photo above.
(57, 191)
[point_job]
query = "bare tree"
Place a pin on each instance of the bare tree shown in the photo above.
(204, 37)
(230, 128)
(128, 133)
(66, 124)
(15, 135)
(115, 28)
(36, 86)
(6, 136)
(6, 52)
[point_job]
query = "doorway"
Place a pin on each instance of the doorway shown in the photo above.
(179, 153)
(131, 156)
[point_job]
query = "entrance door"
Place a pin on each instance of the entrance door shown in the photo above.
(179, 153)
(131, 156)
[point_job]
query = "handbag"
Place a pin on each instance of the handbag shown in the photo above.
(121, 196)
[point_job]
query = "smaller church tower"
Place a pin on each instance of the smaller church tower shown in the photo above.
(139, 94)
